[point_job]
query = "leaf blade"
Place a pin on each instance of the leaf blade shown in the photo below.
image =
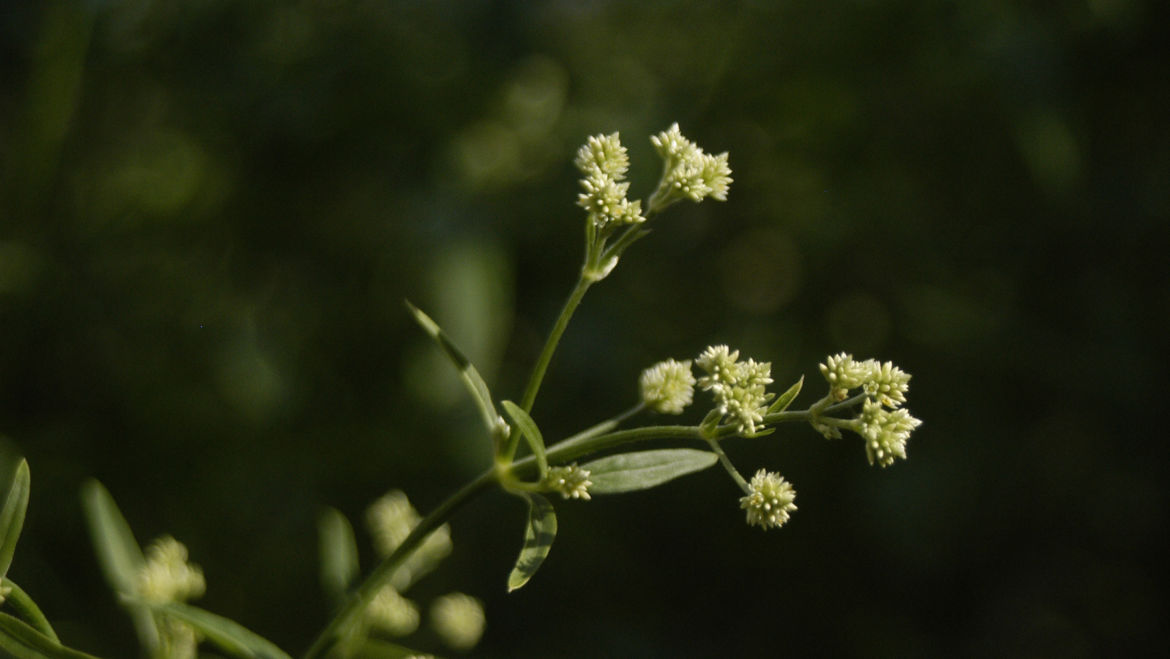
(787, 397)
(228, 634)
(12, 515)
(18, 639)
(539, 534)
(530, 431)
(338, 553)
(640, 470)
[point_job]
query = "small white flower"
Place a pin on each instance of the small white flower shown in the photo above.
(885, 432)
(167, 576)
(688, 172)
(459, 619)
(739, 387)
(668, 387)
(604, 154)
(769, 501)
(843, 373)
(571, 481)
(886, 382)
(392, 613)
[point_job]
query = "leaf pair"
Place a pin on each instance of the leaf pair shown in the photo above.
(121, 560)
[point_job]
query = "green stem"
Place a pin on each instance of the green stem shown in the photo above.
(550, 345)
(27, 610)
(360, 599)
(735, 475)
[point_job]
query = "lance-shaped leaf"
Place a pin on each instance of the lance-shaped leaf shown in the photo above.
(339, 554)
(539, 533)
(27, 610)
(709, 423)
(118, 554)
(530, 431)
(627, 472)
(12, 515)
(471, 377)
(787, 397)
(230, 636)
(19, 640)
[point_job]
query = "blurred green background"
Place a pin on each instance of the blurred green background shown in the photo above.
(211, 211)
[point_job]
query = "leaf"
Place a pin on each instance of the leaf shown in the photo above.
(12, 515)
(229, 635)
(19, 640)
(539, 534)
(118, 553)
(471, 377)
(27, 610)
(339, 554)
(627, 472)
(530, 431)
(376, 649)
(787, 397)
(709, 423)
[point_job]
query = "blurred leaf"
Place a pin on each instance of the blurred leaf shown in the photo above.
(19, 640)
(27, 610)
(118, 554)
(539, 534)
(375, 649)
(787, 397)
(471, 377)
(627, 472)
(12, 515)
(530, 431)
(339, 554)
(229, 635)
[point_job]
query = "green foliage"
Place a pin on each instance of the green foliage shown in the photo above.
(628, 472)
(539, 533)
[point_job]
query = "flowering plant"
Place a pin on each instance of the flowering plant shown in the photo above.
(865, 397)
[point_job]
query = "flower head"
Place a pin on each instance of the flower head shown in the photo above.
(769, 500)
(571, 481)
(739, 387)
(886, 382)
(603, 161)
(458, 619)
(843, 373)
(390, 519)
(688, 172)
(885, 432)
(167, 576)
(603, 154)
(392, 613)
(668, 386)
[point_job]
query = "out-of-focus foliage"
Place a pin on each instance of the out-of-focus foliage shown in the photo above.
(211, 211)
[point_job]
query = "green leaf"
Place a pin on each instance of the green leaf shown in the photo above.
(627, 472)
(12, 515)
(230, 636)
(19, 640)
(471, 377)
(118, 554)
(339, 554)
(27, 610)
(530, 431)
(376, 649)
(539, 534)
(787, 397)
(709, 423)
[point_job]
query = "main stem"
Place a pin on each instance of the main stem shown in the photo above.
(381, 576)
(550, 345)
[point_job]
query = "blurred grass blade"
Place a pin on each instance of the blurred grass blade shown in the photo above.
(230, 636)
(118, 554)
(627, 472)
(339, 554)
(530, 431)
(539, 534)
(471, 377)
(12, 515)
(20, 641)
(27, 610)
(787, 397)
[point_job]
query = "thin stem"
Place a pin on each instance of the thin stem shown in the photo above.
(847, 403)
(360, 599)
(604, 426)
(550, 345)
(735, 475)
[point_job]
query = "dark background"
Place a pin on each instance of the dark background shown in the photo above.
(210, 213)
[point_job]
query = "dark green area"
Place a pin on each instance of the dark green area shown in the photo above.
(210, 213)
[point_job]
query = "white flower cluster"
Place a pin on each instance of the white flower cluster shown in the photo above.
(392, 613)
(668, 387)
(883, 423)
(688, 172)
(389, 520)
(770, 498)
(603, 161)
(167, 576)
(458, 619)
(571, 481)
(738, 387)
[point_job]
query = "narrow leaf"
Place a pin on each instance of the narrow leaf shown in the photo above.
(709, 423)
(12, 515)
(339, 554)
(539, 534)
(118, 553)
(27, 610)
(530, 431)
(627, 472)
(230, 636)
(471, 377)
(787, 397)
(19, 640)
(377, 649)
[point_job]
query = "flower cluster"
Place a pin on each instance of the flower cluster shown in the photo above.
(883, 423)
(392, 613)
(738, 387)
(571, 481)
(604, 163)
(167, 576)
(668, 387)
(390, 519)
(688, 172)
(769, 500)
(459, 619)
